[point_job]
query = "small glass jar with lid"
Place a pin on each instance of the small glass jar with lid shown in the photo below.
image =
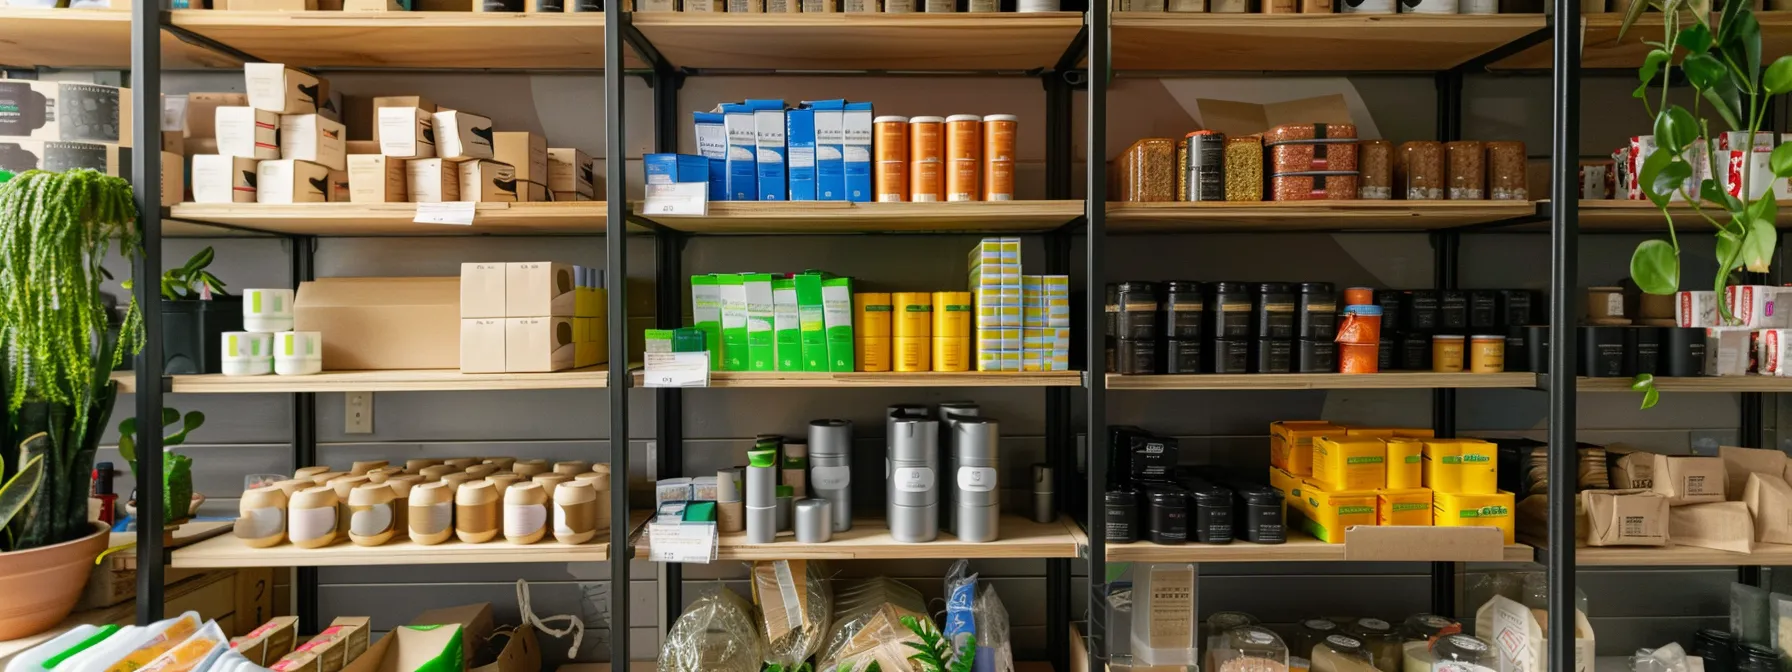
(1310, 633)
(1381, 641)
(1250, 648)
(1463, 653)
(1342, 653)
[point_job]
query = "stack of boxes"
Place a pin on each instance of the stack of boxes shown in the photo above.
(1045, 322)
(1336, 477)
(761, 150)
(995, 289)
(285, 145)
(531, 317)
(775, 322)
(58, 126)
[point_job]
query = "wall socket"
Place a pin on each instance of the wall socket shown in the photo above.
(358, 413)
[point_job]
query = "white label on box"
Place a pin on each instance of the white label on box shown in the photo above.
(457, 213)
(976, 479)
(676, 369)
(830, 478)
(913, 479)
(688, 198)
(681, 542)
(174, 113)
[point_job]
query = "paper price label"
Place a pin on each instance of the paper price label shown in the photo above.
(675, 369)
(453, 213)
(681, 542)
(913, 479)
(684, 198)
(830, 478)
(976, 479)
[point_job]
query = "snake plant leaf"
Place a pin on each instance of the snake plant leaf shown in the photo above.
(193, 420)
(204, 258)
(16, 493)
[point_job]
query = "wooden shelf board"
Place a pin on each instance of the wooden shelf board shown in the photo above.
(1310, 215)
(229, 551)
(395, 219)
(1699, 384)
(1642, 217)
(1299, 548)
(821, 217)
(420, 380)
(174, 228)
(412, 40)
(869, 539)
(901, 42)
(1323, 381)
(1673, 555)
(1601, 49)
(89, 38)
(917, 379)
(1175, 41)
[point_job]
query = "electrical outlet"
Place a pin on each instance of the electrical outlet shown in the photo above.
(358, 413)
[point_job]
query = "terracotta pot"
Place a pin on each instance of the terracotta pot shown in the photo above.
(41, 585)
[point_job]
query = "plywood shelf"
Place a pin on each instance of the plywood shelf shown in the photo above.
(1697, 384)
(420, 380)
(411, 40)
(858, 42)
(396, 219)
(1178, 42)
(1299, 548)
(825, 217)
(1220, 217)
(1775, 555)
(1641, 216)
(89, 38)
(1601, 49)
(1399, 380)
(917, 379)
(869, 539)
(229, 551)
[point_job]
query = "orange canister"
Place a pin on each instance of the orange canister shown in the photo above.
(1358, 358)
(1487, 353)
(964, 162)
(926, 159)
(1359, 296)
(1361, 326)
(998, 156)
(890, 141)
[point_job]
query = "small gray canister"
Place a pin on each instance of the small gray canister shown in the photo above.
(830, 468)
(914, 487)
(814, 521)
(1045, 505)
(976, 485)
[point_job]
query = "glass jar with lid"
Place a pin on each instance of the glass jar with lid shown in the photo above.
(1342, 653)
(1380, 640)
(1463, 653)
(1417, 633)
(1248, 648)
(1310, 633)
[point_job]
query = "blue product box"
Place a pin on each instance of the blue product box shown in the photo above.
(676, 168)
(742, 175)
(801, 153)
(856, 151)
(712, 143)
(768, 116)
(830, 171)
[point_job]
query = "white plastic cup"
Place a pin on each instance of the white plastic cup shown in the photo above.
(267, 311)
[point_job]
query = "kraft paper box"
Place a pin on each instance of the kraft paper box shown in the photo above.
(311, 137)
(527, 153)
(482, 289)
(462, 135)
(223, 179)
(415, 647)
(1769, 500)
(483, 181)
(287, 181)
(431, 181)
(376, 178)
(268, 643)
(66, 111)
(539, 289)
(569, 170)
(331, 650)
(521, 652)
(1520, 633)
(482, 348)
(1725, 526)
(22, 155)
(538, 344)
(475, 620)
(247, 132)
(202, 112)
(383, 323)
(277, 88)
(336, 188)
(1682, 479)
(1740, 462)
(405, 132)
(1625, 517)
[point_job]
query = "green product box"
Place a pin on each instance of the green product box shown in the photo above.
(761, 343)
(812, 322)
(836, 300)
(658, 340)
(733, 291)
(786, 319)
(706, 315)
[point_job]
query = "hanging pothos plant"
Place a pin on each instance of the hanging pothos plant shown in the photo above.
(55, 231)
(1722, 63)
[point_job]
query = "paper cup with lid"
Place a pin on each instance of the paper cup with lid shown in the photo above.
(248, 353)
(298, 353)
(267, 311)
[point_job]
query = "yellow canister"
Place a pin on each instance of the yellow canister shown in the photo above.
(952, 314)
(951, 354)
(873, 309)
(1406, 464)
(913, 354)
(871, 355)
(1405, 506)
(913, 319)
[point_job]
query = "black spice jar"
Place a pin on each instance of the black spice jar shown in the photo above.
(1228, 310)
(1184, 307)
(1316, 357)
(1272, 355)
(1391, 300)
(1212, 506)
(1414, 353)
(1602, 352)
(1316, 312)
(1273, 309)
(1717, 648)
(1536, 337)
(1420, 310)
(1133, 310)
(1152, 457)
(1166, 516)
(1518, 349)
(1229, 356)
(1484, 310)
(1257, 514)
(1182, 356)
(1642, 350)
(1515, 307)
(1134, 356)
(1120, 451)
(1756, 658)
(1452, 309)
(1387, 352)
(1682, 352)
(1122, 517)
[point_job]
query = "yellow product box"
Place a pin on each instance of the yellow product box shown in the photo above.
(1291, 443)
(1011, 339)
(1415, 432)
(1449, 509)
(1463, 466)
(1327, 514)
(1288, 483)
(1350, 463)
(1408, 506)
(1406, 464)
(1370, 432)
(989, 360)
(1058, 363)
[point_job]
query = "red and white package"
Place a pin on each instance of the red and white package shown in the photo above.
(1695, 309)
(1760, 174)
(1754, 306)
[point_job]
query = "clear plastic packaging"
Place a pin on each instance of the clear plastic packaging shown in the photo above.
(1670, 658)
(1467, 171)
(995, 648)
(1417, 633)
(1309, 633)
(1463, 653)
(1163, 615)
(191, 652)
(1749, 615)
(867, 625)
(1419, 171)
(1342, 653)
(961, 600)
(717, 633)
(1506, 179)
(1375, 178)
(1380, 640)
(792, 632)
(1782, 624)
(1147, 171)
(1249, 648)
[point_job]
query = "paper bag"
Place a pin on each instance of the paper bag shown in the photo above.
(1725, 526)
(1769, 500)
(1740, 462)
(1625, 517)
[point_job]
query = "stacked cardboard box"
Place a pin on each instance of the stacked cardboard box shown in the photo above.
(531, 317)
(58, 126)
(996, 292)
(1045, 322)
(762, 150)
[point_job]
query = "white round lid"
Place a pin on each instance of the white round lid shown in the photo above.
(1001, 117)
(890, 119)
(927, 120)
(964, 117)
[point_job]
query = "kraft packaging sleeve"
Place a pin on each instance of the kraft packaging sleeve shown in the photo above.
(761, 335)
(706, 315)
(1683, 480)
(787, 323)
(800, 136)
(1625, 518)
(768, 121)
(830, 138)
(712, 144)
(1740, 462)
(811, 318)
(311, 137)
(856, 151)
(836, 308)
(733, 291)
(743, 147)
(527, 153)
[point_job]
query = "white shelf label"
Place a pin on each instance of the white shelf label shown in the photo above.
(684, 198)
(681, 542)
(453, 213)
(676, 369)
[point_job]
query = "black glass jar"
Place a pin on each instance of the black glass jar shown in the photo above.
(1316, 311)
(1166, 516)
(1228, 310)
(1122, 519)
(1272, 307)
(1133, 310)
(1184, 308)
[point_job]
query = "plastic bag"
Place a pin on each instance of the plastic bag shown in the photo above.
(1782, 624)
(164, 635)
(995, 652)
(796, 608)
(961, 600)
(191, 652)
(717, 633)
(868, 627)
(1749, 615)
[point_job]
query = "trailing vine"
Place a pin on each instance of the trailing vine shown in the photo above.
(55, 232)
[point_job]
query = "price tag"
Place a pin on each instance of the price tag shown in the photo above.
(454, 213)
(681, 542)
(676, 369)
(685, 198)
(174, 113)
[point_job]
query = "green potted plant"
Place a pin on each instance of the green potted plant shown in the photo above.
(1720, 54)
(55, 229)
(179, 502)
(196, 311)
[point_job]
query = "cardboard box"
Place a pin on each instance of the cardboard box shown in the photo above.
(675, 168)
(830, 175)
(1682, 479)
(247, 132)
(354, 147)
(174, 180)
(418, 102)
(475, 620)
(332, 649)
(836, 315)
(273, 5)
(483, 181)
(1740, 462)
(1347, 463)
(412, 647)
(1625, 517)
(287, 181)
(761, 326)
(266, 644)
(527, 154)
(1410, 506)
(571, 197)
(383, 323)
(1725, 526)
(22, 155)
(377, 178)
(521, 652)
(405, 132)
(336, 187)
(202, 118)
(1769, 500)
(224, 179)
(65, 111)
(1328, 515)
(1291, 444)
(282, 90)
(741, 174)
(314, 138)
(539, 289)
(569, 170)
(800, 136)
(538, 344)
(856, 147)
(1468, 466)
(462, 136)
(482, 345)
(1449, 509)
(1729, 351)
(1522, 645)
(431, 181)
(482, 289)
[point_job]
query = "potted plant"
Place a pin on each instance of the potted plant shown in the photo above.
(196, 311)
(55, 229)
(179, 502)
